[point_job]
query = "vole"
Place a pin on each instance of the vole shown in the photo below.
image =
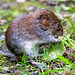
(27, 32)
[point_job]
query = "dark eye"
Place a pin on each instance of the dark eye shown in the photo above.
(58, 24)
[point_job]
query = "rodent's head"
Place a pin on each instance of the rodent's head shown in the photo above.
(49, 22)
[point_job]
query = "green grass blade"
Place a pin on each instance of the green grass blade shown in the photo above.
(68, 39)
(65, 60)
(72, 24)
(56, 70)
(65, 43)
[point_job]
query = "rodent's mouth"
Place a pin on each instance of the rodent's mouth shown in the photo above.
(55, 36)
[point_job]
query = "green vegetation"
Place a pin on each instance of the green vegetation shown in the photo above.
(64, 60)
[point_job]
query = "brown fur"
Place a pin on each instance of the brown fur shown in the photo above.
(38, 27)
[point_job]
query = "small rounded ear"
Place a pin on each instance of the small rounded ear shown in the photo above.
(44, 20)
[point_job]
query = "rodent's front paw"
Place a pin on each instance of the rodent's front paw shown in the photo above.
(57, 40)
(53, 39)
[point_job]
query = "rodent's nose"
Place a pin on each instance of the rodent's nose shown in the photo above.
(61, 33)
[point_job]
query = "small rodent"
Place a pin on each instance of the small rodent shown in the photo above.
(27, 32)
